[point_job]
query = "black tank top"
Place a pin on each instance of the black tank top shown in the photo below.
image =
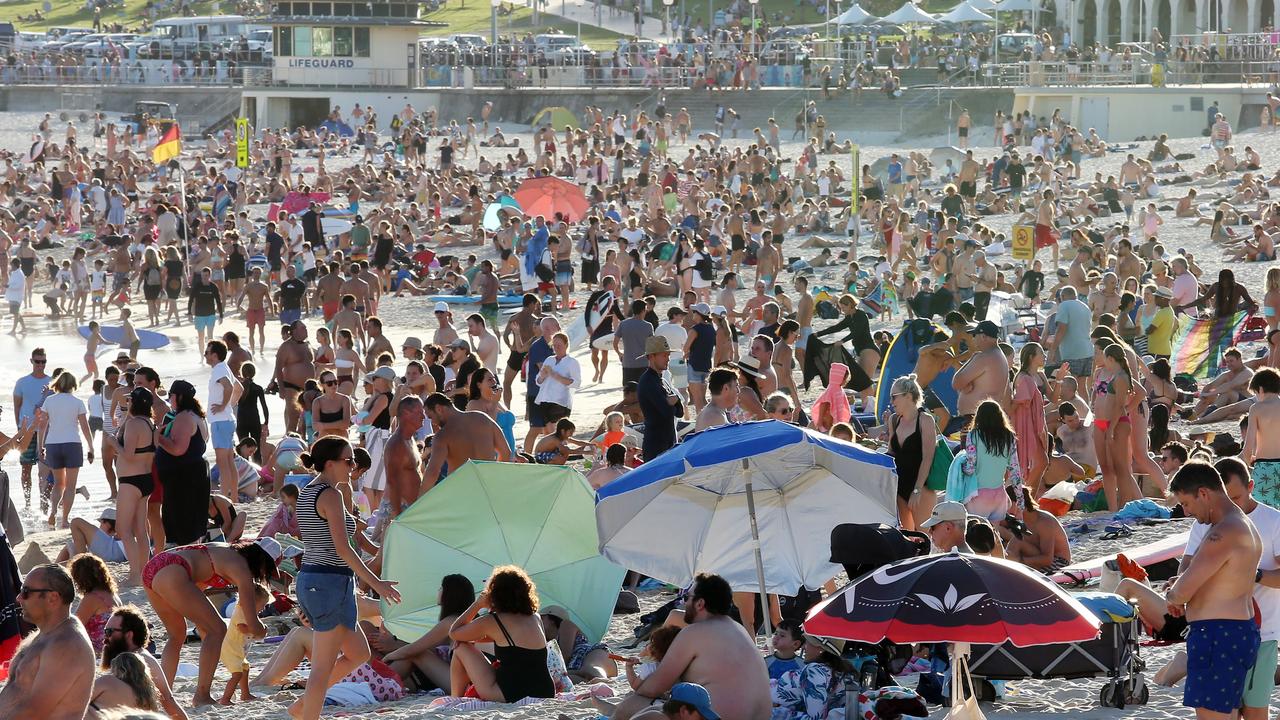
(383, 420)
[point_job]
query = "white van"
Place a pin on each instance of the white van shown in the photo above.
(187, 34)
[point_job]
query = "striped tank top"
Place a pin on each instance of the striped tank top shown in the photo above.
(320, 554)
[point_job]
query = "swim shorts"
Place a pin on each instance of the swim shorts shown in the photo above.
(255, 316)
(1044, 236)
(803, 341)
(289, 316)
(205, 323)
(1262, 678)
(1266, 480)
(1081, 367)
(1220, 654)
(931, 399)
(223, 433)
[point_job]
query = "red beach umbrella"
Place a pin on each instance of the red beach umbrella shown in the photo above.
(953, 598)
(549, 195)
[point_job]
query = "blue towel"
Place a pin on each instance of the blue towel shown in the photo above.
(1144, 508)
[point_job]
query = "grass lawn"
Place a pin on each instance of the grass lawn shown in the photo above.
(73, 12)
(473, 16)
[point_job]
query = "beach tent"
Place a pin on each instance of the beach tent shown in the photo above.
(493, 219)
(983, 5)
(965, 13)
(753, 502)
(486, 514)
(1014, 6)
(900, 360)
(556, 117)
(909, 14)
(855, 15)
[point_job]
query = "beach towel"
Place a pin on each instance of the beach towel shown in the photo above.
(833, 398)
(819, 357)
(1144, 508)
(1200, 344)
(349, 694)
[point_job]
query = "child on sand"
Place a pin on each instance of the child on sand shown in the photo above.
(659, 642)
(612, 434)
(129, 336)
(98, 288)
(91, 352)
(95, 410)
(235, 642)
(788, 640)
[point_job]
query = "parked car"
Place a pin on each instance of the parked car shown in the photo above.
(785, 51)
(562, 49)
(1009, 46)
(641, 46)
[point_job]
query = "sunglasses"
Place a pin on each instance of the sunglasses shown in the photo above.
(109, 632)
(783, 410)
(26, 592)
(38, 362)
(350, 461)
(330, 382)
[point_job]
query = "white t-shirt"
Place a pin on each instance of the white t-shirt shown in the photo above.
(16, 290)
(64, 410)
(675, 334)
(554, 391)
(216, 393)
(1267, 520)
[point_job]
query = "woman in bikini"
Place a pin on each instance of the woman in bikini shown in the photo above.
(1271, 300)
(331, 412)
(135, 457)
(324, 349)
(1115, 406)
(347, 364)
(176, 580)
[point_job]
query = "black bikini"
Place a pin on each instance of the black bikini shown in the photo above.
(145, 483)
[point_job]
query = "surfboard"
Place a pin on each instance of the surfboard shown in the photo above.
(1149, 554)
(147, 339)
(584, 325)
(900, 360)
(335, 226)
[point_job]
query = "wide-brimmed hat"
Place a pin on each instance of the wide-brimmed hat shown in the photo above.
(1164, 292)
(750, 366)
(655, 344)
(412, 342)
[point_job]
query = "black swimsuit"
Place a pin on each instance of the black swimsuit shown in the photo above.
(521, 672)
(145, 483)
(908, 455)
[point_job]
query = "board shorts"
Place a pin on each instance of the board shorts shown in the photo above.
(255, 316)
(205, 323)
(489, 311)
(329, 309)
(802, 342)
(931, 399)
(1220, 655)
(968, 188)
(534, 409)
(223, 434)
(1081, 367)
(1174, 630)
(1266, 480)
(1261, 681)
(1044, 236)
(288, 317)
(31, 455)
(958, 423)
(964, 131)
(515, 360)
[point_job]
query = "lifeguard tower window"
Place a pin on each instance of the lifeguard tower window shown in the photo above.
(1197, 104)
(345, 9)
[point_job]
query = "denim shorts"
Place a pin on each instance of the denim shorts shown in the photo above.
(205, 323)
(223, 433)
(288, 317)
(328, 599)
(698, 376)
(63, 455)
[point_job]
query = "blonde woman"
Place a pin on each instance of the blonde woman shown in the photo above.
(151, 281)
(129, 685)
(60, 447)
(1271, 301)
(913, 435)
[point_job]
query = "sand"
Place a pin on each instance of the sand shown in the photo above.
(403, 317)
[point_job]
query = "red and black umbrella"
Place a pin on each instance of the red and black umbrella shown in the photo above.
(953, 598)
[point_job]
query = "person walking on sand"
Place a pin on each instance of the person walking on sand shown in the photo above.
(1215, 593)
(962, 127)
(91, 345)
(14, 293)
(224, 397)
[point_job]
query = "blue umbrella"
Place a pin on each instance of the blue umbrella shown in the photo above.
(492, 220)
(754, 502)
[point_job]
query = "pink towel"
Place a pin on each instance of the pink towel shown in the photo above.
(833, 397)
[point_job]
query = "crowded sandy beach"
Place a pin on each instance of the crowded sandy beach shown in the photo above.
(630, 419)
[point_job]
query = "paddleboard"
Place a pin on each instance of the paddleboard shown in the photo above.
(901, 359)
(335, 226)
(1149, 554)
(147, 339)
(503, 300)
(258, 261)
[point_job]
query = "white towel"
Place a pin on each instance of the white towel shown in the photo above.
(349, 694)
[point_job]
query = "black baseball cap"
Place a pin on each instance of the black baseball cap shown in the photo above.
(986, 327)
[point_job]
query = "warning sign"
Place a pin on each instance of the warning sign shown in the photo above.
(1024, 242)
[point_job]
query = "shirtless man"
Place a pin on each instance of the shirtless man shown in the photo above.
(722, 384)
(930, 362)
(484, 344)
(347, 318)
(520, 333)
(460, 436)
(328, 292)
(1043, 546)
(784, 359)
(295, 364)
(374, 283)
(1230, 386)
(984, 377)
(1077, 438)
(962, 127)
(128, 335)
(51, 676)
(258, 294)
(1128, 264)
(762, 351)
(1262, 436)
(713, 651)
(1046, 213)
(356, 287)
(404, 464)
(768, 260)
(375, 342)
(804, 316)
(1215, 593)
(445, 333)
(127, 631)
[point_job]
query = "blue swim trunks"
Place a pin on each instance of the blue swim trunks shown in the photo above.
(1220, 654)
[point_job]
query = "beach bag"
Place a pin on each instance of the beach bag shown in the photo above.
(966, 709)
(942, 457)
(703, 267)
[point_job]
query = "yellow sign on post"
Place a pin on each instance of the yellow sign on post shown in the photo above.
(857, 182)
(1024, 242)
(242, 142)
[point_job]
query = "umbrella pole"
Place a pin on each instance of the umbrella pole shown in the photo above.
(755, 543)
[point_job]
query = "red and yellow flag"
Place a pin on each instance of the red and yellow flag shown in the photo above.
(169, 145)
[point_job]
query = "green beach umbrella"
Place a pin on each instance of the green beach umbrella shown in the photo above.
(540, 517)
(557, 118)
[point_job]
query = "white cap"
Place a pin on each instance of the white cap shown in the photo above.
(442, 307)
(271, 546)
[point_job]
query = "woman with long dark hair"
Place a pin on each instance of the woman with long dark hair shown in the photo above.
(326, 582)
(1227, 295)
(180, 442)
(425, 661)
(485, 395)
(991, 461)
(1028, 414)
(135, 458)
(1115, 407)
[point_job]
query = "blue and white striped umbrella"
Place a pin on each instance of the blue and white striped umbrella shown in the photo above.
(693, 508)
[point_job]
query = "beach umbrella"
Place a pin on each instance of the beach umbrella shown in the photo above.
(549, 195)
(855, 15)
(965, 13)
(487, 514)
(492, 218)
(1014, 6)
(909, 14)
(953, 598)
(753, 502)
(983, 5)
(556, 117)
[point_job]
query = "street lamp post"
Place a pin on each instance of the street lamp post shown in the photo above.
(494, 4)
(753, 24)
(670, 31)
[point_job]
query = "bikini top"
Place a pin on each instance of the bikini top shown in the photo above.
(330, 417)
(149, 447)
